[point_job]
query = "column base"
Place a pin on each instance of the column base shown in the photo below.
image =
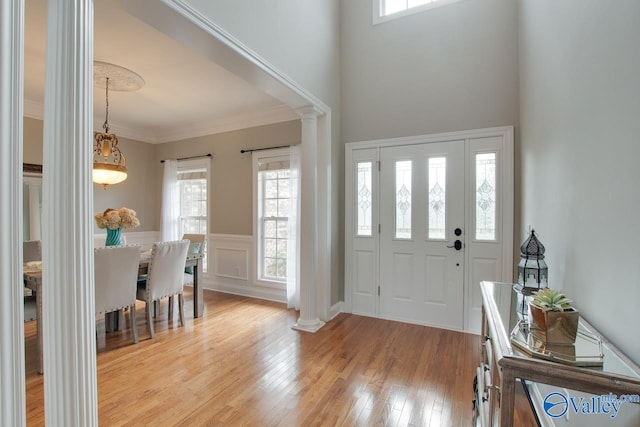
(308, 325)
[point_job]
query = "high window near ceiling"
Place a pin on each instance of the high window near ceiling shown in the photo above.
(385, 10)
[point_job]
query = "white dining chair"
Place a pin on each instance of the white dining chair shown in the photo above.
(98, 242)
(116, 276)
(31, 250)
(201, 241)
(164, 277)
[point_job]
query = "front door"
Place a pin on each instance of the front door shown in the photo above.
(422, 204)
(427, 219)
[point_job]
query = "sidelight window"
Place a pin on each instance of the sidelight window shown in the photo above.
(364, 198)
(485, 206)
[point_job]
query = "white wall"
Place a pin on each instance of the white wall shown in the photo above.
(449, 68)
(231, 204)
(580, 117)
(300, 39)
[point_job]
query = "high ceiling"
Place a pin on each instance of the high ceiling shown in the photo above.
(185, 95)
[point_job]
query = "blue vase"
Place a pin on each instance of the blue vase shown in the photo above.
(113, 237)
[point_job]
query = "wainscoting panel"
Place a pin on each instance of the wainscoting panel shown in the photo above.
(233, 269)
(231, 263)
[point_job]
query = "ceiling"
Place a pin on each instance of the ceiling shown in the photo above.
(185, 95)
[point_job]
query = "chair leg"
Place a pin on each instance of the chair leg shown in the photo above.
(170, 310)
(134, 325)
(149, 318)
(100, 334)
(156, 307)
(181, 308)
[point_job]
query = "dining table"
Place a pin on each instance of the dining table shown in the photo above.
(32, 272)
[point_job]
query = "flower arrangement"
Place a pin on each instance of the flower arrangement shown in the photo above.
(112, 219)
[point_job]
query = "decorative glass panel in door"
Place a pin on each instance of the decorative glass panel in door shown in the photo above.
(403, 199)
(437, 186)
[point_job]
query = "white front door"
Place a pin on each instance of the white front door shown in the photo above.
(422, 217)
(405, 201)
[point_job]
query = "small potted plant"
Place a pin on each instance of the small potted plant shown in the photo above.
(553, 319)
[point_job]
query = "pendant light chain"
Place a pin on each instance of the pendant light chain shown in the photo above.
(109, 162)
(105, 126)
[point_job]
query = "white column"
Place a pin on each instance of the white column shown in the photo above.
(308, 320)
(68, 321)
(34, 210)
(12, 383)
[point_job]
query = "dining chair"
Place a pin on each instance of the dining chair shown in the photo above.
(196, 246)
(116, 275)
(98, 242)
(31, 251)
(164, 277)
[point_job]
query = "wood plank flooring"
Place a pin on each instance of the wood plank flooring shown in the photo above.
(242, 364)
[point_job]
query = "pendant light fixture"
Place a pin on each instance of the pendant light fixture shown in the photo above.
(109, 162)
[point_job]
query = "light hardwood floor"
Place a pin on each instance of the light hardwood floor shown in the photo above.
(242, 364)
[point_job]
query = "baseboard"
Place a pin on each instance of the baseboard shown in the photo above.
(336, 309)
(253, 291)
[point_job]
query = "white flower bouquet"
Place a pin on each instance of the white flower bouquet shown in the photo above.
(113, 219)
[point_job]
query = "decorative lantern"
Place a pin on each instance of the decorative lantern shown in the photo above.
(532, 271)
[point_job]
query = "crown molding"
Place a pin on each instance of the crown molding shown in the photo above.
(277, 114)
(298, 96)
(228, 123)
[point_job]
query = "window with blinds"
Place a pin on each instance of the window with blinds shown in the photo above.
(273, 181)
(192, 181)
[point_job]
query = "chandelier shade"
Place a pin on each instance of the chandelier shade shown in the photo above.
(107, 174)
(109, 162)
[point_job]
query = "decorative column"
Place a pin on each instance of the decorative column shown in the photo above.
(12, 380)
(68, 321)
(308, 320)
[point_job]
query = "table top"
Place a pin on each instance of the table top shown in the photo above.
(503, 317)
(33, 270)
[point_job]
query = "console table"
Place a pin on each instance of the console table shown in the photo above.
(503, 363)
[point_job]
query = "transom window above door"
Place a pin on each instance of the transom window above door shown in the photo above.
(386, 10)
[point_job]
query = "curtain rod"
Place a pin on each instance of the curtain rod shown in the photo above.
(260, 149)
(192, 157)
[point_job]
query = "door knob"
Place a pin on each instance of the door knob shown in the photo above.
(457, 244)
